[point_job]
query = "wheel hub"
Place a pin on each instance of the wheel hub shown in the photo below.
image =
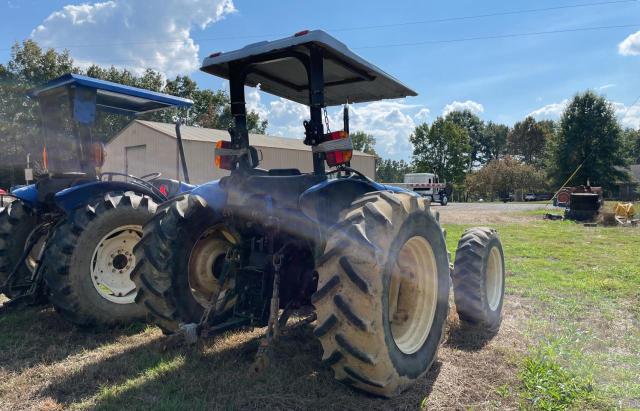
(112, 263)
(205, 266)
(413, 295)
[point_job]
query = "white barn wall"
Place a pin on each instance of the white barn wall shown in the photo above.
(162, 156)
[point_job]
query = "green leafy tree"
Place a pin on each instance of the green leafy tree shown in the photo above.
(527, 140)
(364, 142)
(631, 145)
(505, 175)
(589, 134)
(474, 127)
(494, 140)
(392, 171)
(442, 149)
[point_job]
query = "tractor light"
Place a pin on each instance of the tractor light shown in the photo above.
(225, 162)
(341, 156)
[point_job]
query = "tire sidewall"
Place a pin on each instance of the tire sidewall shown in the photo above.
(81, 259)
(493, 317)
(414, 365)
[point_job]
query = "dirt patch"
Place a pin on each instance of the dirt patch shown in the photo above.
(65, 368)
(486, 213)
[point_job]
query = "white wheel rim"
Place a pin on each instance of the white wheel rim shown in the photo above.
(112, 263)
(413, 295)
(204, 260)
(494, 279)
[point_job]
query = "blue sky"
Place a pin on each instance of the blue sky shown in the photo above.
(502, 79)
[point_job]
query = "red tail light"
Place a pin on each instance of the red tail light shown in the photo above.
(224, 162)
(338, 157)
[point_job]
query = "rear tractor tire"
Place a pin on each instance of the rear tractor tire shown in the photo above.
(180, 259)
(382, 298)
(17, 223)
(90, 258)
(478, 278)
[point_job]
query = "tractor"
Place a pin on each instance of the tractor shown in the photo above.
(368, 262)
(69, 237)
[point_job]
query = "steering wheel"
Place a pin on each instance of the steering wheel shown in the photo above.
(143, 181)
(150, 176)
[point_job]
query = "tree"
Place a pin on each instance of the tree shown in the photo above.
(474, 128)
(631, 145)
(527, 140)
(364, 142)
(589, 134)
(494, 140)
(505, 175)
(392, 171)
(442, 149)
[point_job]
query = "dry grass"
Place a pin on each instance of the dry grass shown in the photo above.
(45, 364)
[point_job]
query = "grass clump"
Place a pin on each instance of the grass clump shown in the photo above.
(546, 385)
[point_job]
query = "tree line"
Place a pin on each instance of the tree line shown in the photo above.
(488, 158)
(30, 66)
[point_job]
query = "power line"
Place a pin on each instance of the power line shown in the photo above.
(419, 43)
(499, 36)
(359, 28)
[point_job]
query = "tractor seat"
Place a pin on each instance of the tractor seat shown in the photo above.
(283, 189)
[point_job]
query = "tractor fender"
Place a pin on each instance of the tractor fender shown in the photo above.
(213, 194)
(73, 197)
(28, 194)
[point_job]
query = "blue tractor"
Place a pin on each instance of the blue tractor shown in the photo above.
(367, 261)
(69, 237)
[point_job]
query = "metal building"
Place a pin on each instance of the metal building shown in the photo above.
(145, 147)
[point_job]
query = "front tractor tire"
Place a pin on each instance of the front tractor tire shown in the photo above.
(90, 258)
(478, 278)
(180, 259)
(382, 298)
(17, 223)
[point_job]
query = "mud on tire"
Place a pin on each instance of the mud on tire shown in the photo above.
(163, 257)
(378, 334)
(478, 278)
(17, 221)
(69, 258)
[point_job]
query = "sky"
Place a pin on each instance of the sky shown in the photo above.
(503, 60)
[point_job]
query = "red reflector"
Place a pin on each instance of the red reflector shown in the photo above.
(163, 190)
(336, 158)
(301, 33)
(215, 54)
(224, 162)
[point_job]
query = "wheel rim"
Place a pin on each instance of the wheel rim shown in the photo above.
(494, 279)
(206, 262)
(413, 295)
(112, 263)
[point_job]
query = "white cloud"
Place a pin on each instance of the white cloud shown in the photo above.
(550, 111)
(474, 107)
(606, 86)
(422, 115)
(628, 116)
(131, 33)
(631, 45)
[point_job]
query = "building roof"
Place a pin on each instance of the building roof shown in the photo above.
(210, 135)
(347, 76)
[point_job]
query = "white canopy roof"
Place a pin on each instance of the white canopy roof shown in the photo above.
(347, 76)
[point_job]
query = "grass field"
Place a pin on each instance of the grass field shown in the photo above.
(570, 339)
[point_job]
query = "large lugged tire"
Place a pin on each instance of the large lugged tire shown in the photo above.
(17, 222)
(179, 259)
(382, 298)
(478, 278)
(90, 257)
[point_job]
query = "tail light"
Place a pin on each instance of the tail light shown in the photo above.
(45, 160)
(97, 154)
(343, 153)
(225, 162)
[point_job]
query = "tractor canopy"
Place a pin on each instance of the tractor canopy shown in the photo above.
(280, 71)
(69, 106)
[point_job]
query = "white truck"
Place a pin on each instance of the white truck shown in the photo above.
(427, 185)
